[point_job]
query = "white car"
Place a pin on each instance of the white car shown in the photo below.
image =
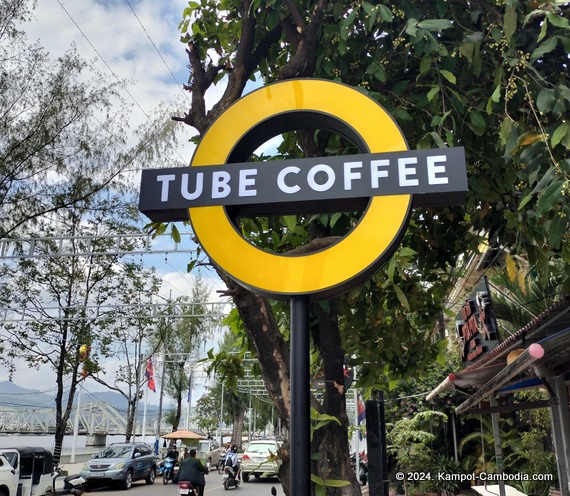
(8, 478)
(260, 458)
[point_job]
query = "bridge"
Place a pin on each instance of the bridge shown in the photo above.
(94, 418)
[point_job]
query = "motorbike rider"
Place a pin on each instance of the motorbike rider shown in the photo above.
(192, 470)
(231, 459)
(172, 453)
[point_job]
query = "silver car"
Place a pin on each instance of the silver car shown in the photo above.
(210, 452)
(120, 463)
(260, 458)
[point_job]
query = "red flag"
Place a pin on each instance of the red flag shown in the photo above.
(149, 374)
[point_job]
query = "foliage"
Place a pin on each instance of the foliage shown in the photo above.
(63, 129)
(127, 338)
(68, 302)
(228, 365)
(445, 465)
(408, 394)
(489, 76)
(536, 454)
(180, 340)
(207, 413)
(524, 293)
(411, 440)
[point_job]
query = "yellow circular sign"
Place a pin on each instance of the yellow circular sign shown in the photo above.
(282, 107)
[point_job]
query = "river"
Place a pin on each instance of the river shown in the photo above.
(46, 441)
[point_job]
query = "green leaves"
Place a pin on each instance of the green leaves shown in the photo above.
(322, 484)
(435, 24)
(477, 122)
(510, 21)
(544, 48)
(320, 420)
(449, 76)
(560, 134)
(550, 197)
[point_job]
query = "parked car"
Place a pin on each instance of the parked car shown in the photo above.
(32, 468)
(8, 478)
(211, 452)
(260, 458)
(122, 464)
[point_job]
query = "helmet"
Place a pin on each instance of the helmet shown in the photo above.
(234, 447)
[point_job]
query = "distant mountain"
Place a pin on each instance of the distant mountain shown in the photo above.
(14, 396)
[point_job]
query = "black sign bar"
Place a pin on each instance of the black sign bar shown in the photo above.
(434, 177)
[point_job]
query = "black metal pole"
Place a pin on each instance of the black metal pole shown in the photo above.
(300, 401)
(376, 442)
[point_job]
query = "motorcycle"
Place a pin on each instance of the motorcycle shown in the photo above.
(362, 465)
(231, 477)
(167, 470)
(74, 485)
(185, 488)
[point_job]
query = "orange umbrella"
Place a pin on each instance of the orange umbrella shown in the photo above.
(183, 434)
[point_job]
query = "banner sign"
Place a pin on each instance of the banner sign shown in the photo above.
(437, 177)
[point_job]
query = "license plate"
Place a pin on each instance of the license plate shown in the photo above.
(184, 491)
(224, 477)
(96, 474)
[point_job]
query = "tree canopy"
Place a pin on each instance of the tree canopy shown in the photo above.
(491, 76)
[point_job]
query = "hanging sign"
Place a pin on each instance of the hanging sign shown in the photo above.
(476, 325)
(384, 182)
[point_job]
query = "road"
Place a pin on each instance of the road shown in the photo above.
(255, 487)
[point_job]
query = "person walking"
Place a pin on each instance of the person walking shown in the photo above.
(192, 470)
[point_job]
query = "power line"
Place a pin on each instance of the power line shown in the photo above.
(157, 50)
(102, 59)
(112, 71)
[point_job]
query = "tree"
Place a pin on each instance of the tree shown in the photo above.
(64, 159)
(523, 293)
(411, 441)
(207, 414)
(228, 365)
(183, 341)
(491, 77)
(64, 129)
(58, 296)
(129, 337)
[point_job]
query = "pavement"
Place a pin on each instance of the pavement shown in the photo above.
(72, 468)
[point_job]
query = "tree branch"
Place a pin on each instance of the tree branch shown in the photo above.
(302, 64)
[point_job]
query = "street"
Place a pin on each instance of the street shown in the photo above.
(255, 487)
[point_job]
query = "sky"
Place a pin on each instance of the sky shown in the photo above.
(136, 40)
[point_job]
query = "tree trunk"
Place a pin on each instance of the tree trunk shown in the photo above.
(332, 441)
(176, 420)
(272, 352)
(237, 430)
(131, 412)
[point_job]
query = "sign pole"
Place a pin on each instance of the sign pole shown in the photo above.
(300, 405)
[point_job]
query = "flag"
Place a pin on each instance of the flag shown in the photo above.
(149, 374)
(361, 415)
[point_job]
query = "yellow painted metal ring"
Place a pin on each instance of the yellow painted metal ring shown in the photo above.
(339, 267)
